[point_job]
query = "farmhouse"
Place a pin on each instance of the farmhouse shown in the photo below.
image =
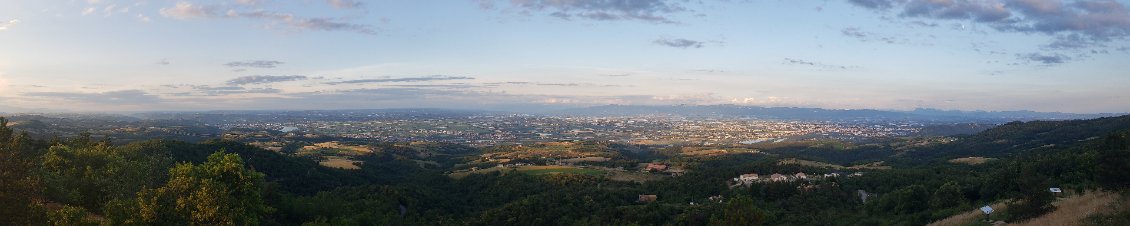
(647, 198)
(656, 167)
(748, 178)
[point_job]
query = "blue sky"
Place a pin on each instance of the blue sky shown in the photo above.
(141, 55)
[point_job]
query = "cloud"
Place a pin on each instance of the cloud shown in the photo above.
(143, 18)
(818, 64)
(264, 79)
(249, 2)
(317, 24)
(254, 64)
(164, 61)
(656, 11)
(854, 32)
(873, 4)
(403, 79)
(9, 24)
(679, 43)
(203, 90)
(1046, 59)
(1088, 23)
(186, 10)
(344, 4)
(122, 97)
(983, 11)
(865, 36)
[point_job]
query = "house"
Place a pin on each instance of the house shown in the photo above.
(676, 171)
(716, 198)
(801, 176)
(656, 167)
(647, 198)
(833, 174)
(1056, 191)
(748, 178)
(776, 177)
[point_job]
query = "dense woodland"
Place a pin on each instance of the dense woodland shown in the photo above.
(82, 181)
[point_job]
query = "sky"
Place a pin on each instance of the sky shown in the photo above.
(170, 55)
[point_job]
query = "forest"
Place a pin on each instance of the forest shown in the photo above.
(84, 181)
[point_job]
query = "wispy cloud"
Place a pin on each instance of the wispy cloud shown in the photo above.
(203, 90)
(344, 4)
(122, 97)
(818, 64)
(403, 79)
(865, 36)
(254, 63)
(1045, 59)
(678, 43)
(187, 10)
(656, 11)
(8, 24)
(264, 79)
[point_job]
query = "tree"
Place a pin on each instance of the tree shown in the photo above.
(19, 186)
(218, 192)
(907, 200)
(947, 196)
(1113, 163)
(740, 211)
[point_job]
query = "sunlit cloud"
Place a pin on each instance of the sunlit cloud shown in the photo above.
(264, 79)
(8, 24)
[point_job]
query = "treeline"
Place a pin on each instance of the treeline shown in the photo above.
(82, 181)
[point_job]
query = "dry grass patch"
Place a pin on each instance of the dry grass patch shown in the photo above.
(1072, 210)
(967, 217)
(340, 163)
(971, 160)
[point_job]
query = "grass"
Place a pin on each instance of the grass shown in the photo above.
(1072, 210)
(339, 162)
(563, 170)
(1069, 211)
(973, 217)
(971, 160)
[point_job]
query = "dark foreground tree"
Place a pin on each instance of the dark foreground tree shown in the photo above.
(218, 192)
(19, 186)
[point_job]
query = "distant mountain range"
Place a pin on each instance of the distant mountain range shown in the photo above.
(797, 113)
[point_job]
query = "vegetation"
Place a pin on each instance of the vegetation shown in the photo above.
(81, 181)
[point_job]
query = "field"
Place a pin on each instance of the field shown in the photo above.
(874, 165)
(339, 162)
(569, 170)
(533, 170)
(971, 160)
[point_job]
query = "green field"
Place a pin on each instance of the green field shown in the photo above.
(534, 170)
(563, 170)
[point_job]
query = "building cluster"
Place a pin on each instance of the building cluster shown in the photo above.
(751, 178)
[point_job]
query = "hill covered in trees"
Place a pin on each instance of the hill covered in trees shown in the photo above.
(85, 181)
